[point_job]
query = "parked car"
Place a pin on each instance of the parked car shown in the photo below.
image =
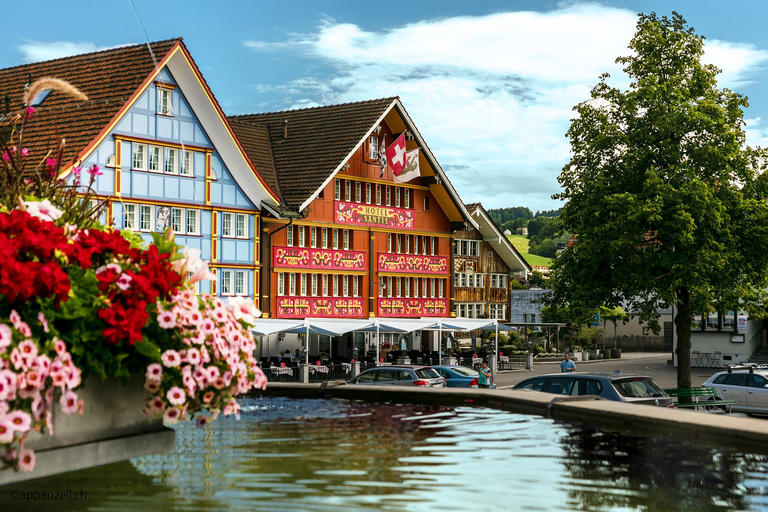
(400, 375)
(747, 385)
(619, 387)
(459, 376)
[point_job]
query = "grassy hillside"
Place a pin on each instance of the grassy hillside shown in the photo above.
(521, 244)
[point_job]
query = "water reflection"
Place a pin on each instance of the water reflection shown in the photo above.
(330, 455)
(618, 471)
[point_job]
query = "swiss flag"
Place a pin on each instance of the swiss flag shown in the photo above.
(396, 155)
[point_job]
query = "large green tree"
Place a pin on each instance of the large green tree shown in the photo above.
(665, 198)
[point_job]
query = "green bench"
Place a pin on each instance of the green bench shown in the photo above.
(701, 396)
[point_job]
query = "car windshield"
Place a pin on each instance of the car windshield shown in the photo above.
(638, 387)
(466, 372)
(427, 373)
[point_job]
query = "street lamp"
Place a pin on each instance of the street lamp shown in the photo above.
(355, 352)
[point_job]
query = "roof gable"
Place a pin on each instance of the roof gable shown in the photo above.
(114, 80)
(493, 235)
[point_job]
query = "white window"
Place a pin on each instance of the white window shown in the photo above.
(338, 190)
(389, 242)
(389, 195)
(325, 238)
(368, 193)
(129, 220)
(397, 197)
(303, 285)
(335, 238)
(139, 156)
(415, 244)
(479, 280)
(187, 163)
(281, 283)
(226, 224)
(378, 194)
(154, 158)
(389, 287)
(407, 244)
(289, 236)
(407, 198)
(381, 287)
(407, 286)
(457, 248)
(355, 287)
(301, 236)
(373, 148)
(241, 226)
(145, 218)
(226, 282)
(346, 239)
(416, 287)
(292, 284)
(314, 285)
(240, 282)
(325, 285)
(399, 245)
(313, 237)
(432, 288)
(193, 224)
(474, 249)
(164, 97)
(424, 246)
(399, 286)
(434, 244)
(348, 190)
(177, 220)
(441, 289)
(170, 161)
(493, 281)
(345, 281)
(335, 285)
(359, 192)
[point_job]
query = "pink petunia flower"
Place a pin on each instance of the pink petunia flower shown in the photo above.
(20, 420)
(201, 421)
(59, 345)
(15, 318)
(6, 336)
(28, 348)
(154, 372)
(208, 396)
(166, 320)
(172, 415)
(152, 386)
(176, 396)
(26, 460)
(157, 405)
(68, 402)
(193, 357)
(171, 358)
(43, 210)
(6, 430)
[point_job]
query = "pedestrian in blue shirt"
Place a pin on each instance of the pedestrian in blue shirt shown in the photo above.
(567, 365)
(484, 379)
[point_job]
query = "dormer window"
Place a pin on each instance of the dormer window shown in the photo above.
(373, 148)
(164, 97)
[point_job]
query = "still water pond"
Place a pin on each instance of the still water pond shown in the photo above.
(331, 455)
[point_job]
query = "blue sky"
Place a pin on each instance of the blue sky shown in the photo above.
(489, 84)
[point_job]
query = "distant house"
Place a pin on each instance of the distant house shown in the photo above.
(525, 231)
(507, 232)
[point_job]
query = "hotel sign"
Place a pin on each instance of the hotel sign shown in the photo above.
(318, 259)
(324, 307)
(370, 215)
(412, 307)
(412, 264)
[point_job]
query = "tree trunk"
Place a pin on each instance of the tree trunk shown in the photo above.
(683, 322)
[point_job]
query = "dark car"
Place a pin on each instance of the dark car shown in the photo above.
(616, 386)
(459, 376)
(400, 375)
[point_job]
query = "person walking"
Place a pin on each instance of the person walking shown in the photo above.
(567, 365)
(484, 379)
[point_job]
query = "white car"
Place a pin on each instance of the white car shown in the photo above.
(747, 385)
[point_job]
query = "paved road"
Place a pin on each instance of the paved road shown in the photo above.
(652, 365)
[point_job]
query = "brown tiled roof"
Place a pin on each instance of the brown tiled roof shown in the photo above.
(257, 144)
(107, 77)
(318, 140)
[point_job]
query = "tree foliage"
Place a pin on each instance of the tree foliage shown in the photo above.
(666, 200)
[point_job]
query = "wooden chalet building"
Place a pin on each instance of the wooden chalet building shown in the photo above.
(166, 152)
(348, 241)
(485, 262)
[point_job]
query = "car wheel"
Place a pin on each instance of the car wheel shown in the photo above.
(715, 407)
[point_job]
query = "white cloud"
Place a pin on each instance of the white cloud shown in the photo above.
(36, 51)
(492, 95)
